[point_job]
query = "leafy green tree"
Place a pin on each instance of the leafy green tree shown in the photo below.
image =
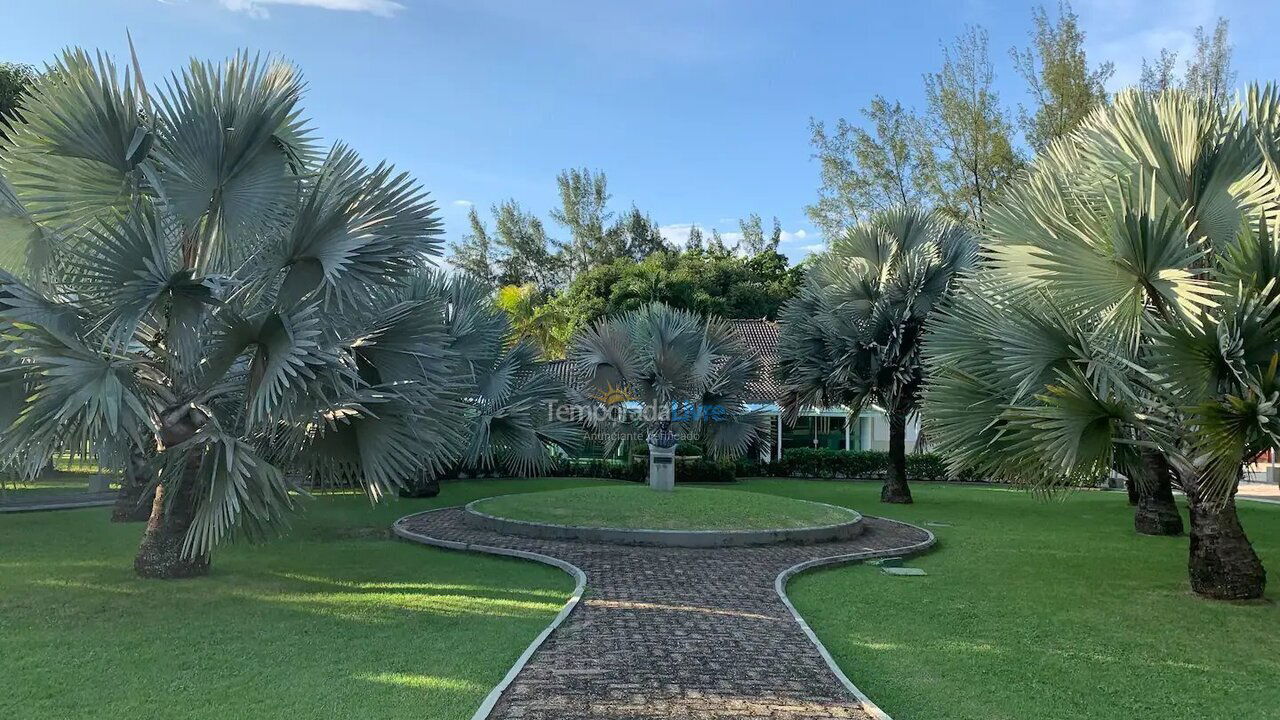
(695, 242)
(725, 285)
(968, 128)
(716, 245)
(691, 371)
(1158, 75)
(852, 336)
(1058, 77)
(752, 241)
(1209, 72)
(523, 253)
(15, 79)
(1127, 316)
(638, 236)
(547, 325)
(474, 254)
(863, 173)
(583, 211)
(218, 299)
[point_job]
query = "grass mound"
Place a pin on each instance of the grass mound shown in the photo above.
(638, 507)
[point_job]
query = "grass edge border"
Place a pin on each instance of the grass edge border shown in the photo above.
(580, 578)
(780, 586)
(657, 537)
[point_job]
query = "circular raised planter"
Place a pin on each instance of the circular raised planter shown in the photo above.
(667, 538)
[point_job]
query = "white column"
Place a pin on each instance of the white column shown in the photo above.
(848, 420)
(779, 434)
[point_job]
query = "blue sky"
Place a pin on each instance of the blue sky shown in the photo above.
(698, 111)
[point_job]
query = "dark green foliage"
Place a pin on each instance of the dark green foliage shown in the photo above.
(858, 464)
(726, 285)
(688, 470)
(15, 79)
(927, 467)
(703, 470)
(826, 463)
(609, 469)
(474, 255)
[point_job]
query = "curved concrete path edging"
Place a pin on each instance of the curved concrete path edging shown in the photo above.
(653, 537)
(780, 585)
(496, 695)
(54, 505)
(580, 580)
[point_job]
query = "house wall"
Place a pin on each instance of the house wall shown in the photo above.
(813, 431)
(870, 431)
(874, 432)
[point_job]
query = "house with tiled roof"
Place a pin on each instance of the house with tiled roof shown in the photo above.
(833, 428)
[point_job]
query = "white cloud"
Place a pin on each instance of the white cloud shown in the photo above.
(463, 203)
(789, 237)
(678, 234)
(259, 8)
(1126, 33)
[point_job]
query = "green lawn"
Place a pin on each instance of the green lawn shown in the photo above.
(70, 479)
(336, 620)
(687, 508)
(1032, 608)
(1043, 609)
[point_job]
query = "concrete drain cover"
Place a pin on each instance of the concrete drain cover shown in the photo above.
(902, 571)
(938, 524)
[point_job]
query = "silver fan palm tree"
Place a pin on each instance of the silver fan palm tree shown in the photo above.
(669, 375)
(200, 290)
(510, 396)
(1126, 315)
(852, 336)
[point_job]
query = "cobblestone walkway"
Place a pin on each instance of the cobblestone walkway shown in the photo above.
(678, 633)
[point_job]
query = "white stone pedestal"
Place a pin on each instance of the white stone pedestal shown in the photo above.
(662, 468)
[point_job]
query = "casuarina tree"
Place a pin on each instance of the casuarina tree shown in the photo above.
(202, 292)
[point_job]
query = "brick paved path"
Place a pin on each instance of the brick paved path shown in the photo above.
(678, 633)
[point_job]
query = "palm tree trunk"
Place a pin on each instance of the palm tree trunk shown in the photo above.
(895, 488)
(1131, 487)
(425, 486)
(1222, 564)
(134, 502)
(160, 555)
(1156, 512)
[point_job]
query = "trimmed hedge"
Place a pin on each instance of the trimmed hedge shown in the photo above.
(688, 470)
(797, 463)
(857, 464)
